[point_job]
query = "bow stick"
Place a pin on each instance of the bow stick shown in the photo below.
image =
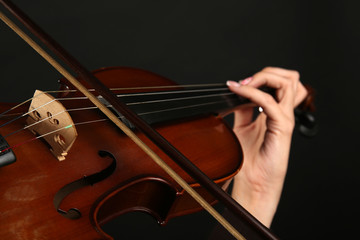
(154, 136)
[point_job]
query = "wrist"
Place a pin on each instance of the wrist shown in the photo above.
(262, 204)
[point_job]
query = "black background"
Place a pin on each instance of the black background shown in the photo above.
(212, 41)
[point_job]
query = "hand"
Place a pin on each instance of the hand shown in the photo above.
(265, 141)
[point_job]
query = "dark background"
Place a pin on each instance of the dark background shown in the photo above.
(212, 41)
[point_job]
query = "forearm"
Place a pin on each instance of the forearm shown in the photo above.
(261, 204)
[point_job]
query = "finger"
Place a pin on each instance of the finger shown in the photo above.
(300, 90)
(244, 113)
(243, 116)
(285, 91)
(301, 94)
(266, 101)
(286, 73)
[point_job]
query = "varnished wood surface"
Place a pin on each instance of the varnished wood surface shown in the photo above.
(29, 185)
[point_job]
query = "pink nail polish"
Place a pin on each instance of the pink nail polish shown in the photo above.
(246, 81)
(232, 83)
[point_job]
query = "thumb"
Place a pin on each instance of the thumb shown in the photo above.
(243, 116)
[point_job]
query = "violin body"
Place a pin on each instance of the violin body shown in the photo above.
(28, 186)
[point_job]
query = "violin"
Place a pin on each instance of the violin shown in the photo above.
(80, 171)
(132, 182)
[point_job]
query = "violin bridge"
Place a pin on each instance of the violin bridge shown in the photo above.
(49, 118)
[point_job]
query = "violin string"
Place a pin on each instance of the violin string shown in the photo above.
(32, 98)
(37, 137)
(128, 88)
(105, 119)
(129, 104)
(20, 104)
(172, 92)
(179, 98)
(12, 114)
(33, 124)
(134, 103)
(25, 114)
(51, 132)
(150, 87)
(54, 115)
(183, 107)
(152, 93)
(119, 95)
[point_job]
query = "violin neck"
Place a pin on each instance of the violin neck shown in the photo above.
(162, 106)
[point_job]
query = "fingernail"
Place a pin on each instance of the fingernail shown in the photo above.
(246, 81)
(232, 83)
